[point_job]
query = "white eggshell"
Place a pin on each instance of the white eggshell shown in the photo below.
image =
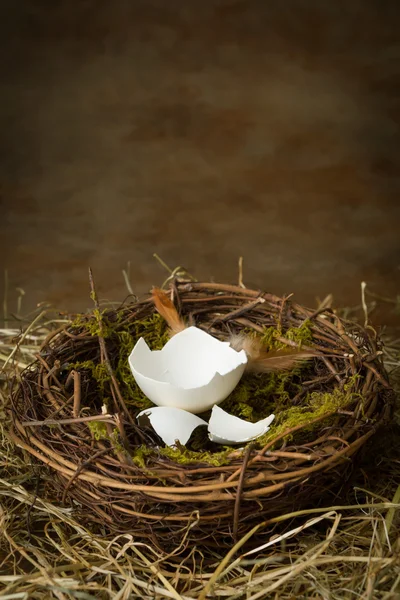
(171, 424)
(194, 371)
(227, 429)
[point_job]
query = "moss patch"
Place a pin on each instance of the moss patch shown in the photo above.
(98, 372)
(257, 396)
(181, 455)
(99, 430)
(185, 456)
(301, 335)
(90, 323)
(315, 405)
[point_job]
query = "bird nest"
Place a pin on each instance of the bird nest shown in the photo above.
(74, 410)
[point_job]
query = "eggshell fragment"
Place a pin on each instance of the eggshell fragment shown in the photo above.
(227, 429)
(194, 371)
(170, 424)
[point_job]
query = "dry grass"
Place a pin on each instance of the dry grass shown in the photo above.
(340, 552)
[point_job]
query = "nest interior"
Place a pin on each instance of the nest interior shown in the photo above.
(74, 411)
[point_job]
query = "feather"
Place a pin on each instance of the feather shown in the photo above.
(167, 310)
(262, 361)
(279, 360)
(252, 346)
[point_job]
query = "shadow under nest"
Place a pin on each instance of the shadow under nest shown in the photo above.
(120, 476)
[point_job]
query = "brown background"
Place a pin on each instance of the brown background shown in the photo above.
(201, 131)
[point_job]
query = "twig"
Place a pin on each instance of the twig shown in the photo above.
(238, 312)
(378, 375)
(280, 315)
(69, 379)
(332, 369)
(79, 470)
(21, 293)
(104, 353)
(326, 303)
(5, 299)
(106, 417)
(241, 284)
(382, 298)
(126, 275)
(53, 372)
(364, 304)
(175, 296)
(236, 511)
(162, 263)
(77, 394)
(291, 455)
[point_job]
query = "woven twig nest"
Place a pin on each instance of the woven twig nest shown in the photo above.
(325, 412)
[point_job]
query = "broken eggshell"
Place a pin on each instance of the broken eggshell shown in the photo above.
(227, 429)
(170, 424)
(194, 371)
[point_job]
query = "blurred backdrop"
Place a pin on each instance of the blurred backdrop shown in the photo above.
(202, 131)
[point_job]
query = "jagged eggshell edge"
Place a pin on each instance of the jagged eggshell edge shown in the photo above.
(171, 424)
(227, 429)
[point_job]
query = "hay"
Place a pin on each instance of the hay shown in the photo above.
(344, 551)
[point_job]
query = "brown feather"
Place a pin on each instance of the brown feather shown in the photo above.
(279, 360)
(252, 346)
(167, 310)
(261, 361)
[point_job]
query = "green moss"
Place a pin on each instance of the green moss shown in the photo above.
(301, 335)
(268, 337)
(184, 456)
(115, 439)
(256, 396)
(315, 405)
(91, 324)
(99, 373)
(337, 398)
(79, 322)
(132, 394)
(252, 398)
(141, 455)
(99, 430)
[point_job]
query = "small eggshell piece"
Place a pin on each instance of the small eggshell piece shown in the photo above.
(170, 424)
(227, 429)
